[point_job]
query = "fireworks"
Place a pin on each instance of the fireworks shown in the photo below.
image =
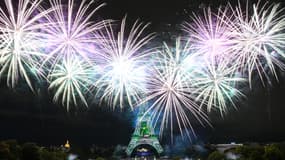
(259, 39)
(122, 61)
(210, 34)
(20, 40)
(123, 69)
(215, 85)
(213, 76)
(170, 90)
(71, 32)
(70, 79)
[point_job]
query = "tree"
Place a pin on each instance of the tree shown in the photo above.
(46, 155)
(256, 152)
(256, 155)
(216, 156)
(14, 148)
(4, 151)
(244, 151)
(272, 152)
(30, 151)
(60, 155)
(119, 151)
(250, 152)
(52, 155)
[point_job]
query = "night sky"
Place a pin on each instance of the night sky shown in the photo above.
(27, 116)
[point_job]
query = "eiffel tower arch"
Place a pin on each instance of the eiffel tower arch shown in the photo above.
(144, 141)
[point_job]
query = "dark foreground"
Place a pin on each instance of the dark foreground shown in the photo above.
(13, 150)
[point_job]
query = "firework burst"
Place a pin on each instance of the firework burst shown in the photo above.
(170, 92)
(122, 61)
(259, 39)
(210, 33)
(70, 80)
(20, 40)
(71, 31)
(216, 85)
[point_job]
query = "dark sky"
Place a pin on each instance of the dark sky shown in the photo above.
(28, 117)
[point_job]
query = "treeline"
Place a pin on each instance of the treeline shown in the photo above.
(12, 150)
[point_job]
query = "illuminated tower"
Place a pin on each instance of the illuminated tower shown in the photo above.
(67, 145)
(144, 142)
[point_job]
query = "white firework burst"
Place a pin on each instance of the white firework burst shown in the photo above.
(259, 39)
(215, 85)
(169, 91)
(122, 61)
(20, 37)
(70, 79)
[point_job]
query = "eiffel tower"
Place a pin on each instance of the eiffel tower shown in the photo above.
(144, 142)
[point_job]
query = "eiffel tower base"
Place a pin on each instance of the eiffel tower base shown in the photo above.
(144, 142)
